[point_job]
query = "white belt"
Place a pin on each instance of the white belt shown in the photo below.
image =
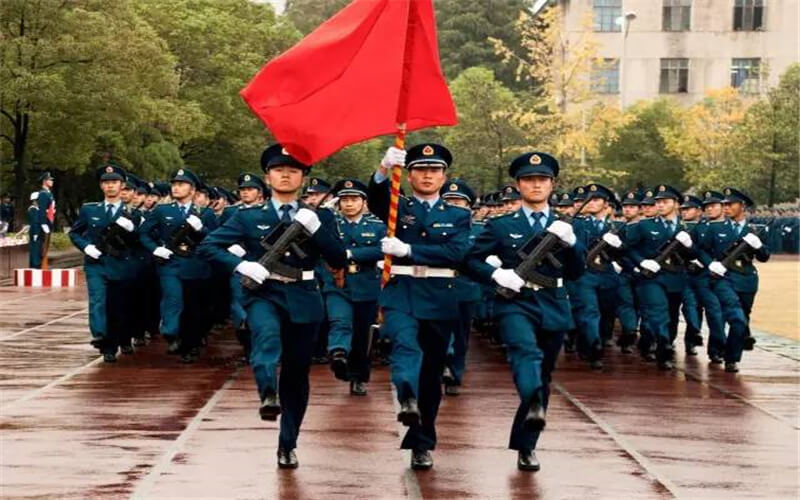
(420, 271)
(536, 287)
(307, 275)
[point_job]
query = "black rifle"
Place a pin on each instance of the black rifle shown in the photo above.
(113, 240)
(601, 253)
(669, 258)
(740, 254)
(277, 243)
(184, 240)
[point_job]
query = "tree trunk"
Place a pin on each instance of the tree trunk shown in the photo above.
(20, 178)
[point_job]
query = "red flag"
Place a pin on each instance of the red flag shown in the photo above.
(372, 66)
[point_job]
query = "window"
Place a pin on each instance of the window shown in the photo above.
(746, 75)
(606, 13)
(748, 15)
(605, 77)
(674, 76)
(677, 14)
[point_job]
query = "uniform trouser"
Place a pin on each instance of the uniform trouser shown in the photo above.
(626, 311)
(734, 315)
(746, 299)
(459, 342)
(713, 311)
(419, 351)
(276, 339)
(152, 299)
(692, 314)
(139, 303)
(662, 310)
(35, 251)
(109, 303)
(532, 354)
(349, 324)
(185, 310)
(238, 314)
(594, 304)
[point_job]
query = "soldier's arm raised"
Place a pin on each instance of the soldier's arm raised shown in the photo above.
(77, 233)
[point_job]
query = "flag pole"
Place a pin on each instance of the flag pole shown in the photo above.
(394, 198)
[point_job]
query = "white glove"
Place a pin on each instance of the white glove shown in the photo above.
(717, 268)
(330, 204)
(253, 270)
(195, 222)
(308, 219)
(697, 263)
(494, 261)
(563, 231)
(684, 239)
(125, 223)
(394, 156)
(753, 240)
(237, 250)
(650, 265)
(507, 278)
(393, 246)
(92, 251)
(612, 239)
(163, 252)
(45, 229)
(617, 267)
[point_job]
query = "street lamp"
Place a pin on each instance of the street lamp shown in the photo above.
(625, 22)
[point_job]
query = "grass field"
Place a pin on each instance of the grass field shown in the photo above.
(777, 308)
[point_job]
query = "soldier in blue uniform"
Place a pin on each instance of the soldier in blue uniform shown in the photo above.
(734, 287)
(42, 225)
(456, 192)
(110, 269)
(283, 313)
(662, 294)
(419, 304)
(351, 295)
(626, 299)
(594, 298)
(35, 233)
(182, 273)
(532, 323)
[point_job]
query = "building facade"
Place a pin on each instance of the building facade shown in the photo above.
(682, 48)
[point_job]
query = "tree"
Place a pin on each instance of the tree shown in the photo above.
(306, 15)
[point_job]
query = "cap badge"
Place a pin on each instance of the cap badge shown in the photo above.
(247, 178)
(662, 188)
(453, 187)
(109, 169)
(536, 160)
(180, 172)
(427, 150)
(348, 184)
(592, 188)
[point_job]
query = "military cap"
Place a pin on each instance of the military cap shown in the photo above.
(248, 180)
(663, 191)
(735, 196)
(350, 187)
(579, 194)
(457, 188)
(510, 193)
(648, 198)
(632, 198)
(162, 188)
(45, 176)
(227, 194)
(110, 172)
(428, 155)
(534, 163)
(276, 155)
(710, 197)
(186, 175)
(690, 201)
(213, 193)
(564, 200)
(141, 186)
(595, 190)
(317, 185)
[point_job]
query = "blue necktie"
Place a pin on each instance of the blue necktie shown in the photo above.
(109, 211)
(536, 223)
(598, 226)
(286, 216)
(426, 206)
(671, 227)
(739, 228)
(184, 211)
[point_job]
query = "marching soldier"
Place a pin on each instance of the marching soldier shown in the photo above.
(283, 312)
(660, 293)
(170, 233)
(110, 265)
(626, 300)
(533, 321)
(352, 304)
(44, 222)
(691, 211)
(419, 307)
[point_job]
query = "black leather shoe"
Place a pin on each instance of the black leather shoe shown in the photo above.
(626, 349)
(596, 364)
(96, 342)
(110, 357)
(665, 365)
(358, 388)
(569, 347)
(715, 359)
(188, 358)
(140, 342)
(698, 340)
(270, 407)
(339, 364)
(732, 367)
(649, 357)
(409, 413)
(535, 419)
(447, 376)
(749, 342)
(174, 346)
(526, 460)
(287, 459)
(691, 351)
(126, 349)
(452, 390)
(421, 460)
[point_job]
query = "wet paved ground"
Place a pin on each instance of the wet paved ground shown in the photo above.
(148, 427)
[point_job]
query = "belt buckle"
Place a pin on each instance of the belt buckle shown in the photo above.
(353, 268)
(419, 271)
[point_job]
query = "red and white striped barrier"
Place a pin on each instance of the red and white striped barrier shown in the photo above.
(45, 278)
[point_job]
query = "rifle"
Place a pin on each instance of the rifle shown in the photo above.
(277, 243)
(184, 240)
(668, 258)
(113, 240)
(600, 255)
(737, 256)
